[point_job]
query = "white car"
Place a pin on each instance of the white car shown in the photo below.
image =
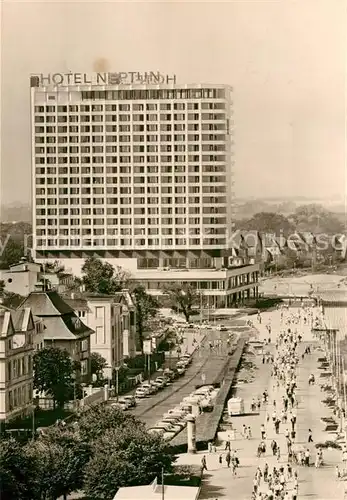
(141, 393)
(187, 358)
(125, 403)
(205, 390)
(169, 427)
(176, 423)
(148, 388)
(192, 399)
(131, 400)
(120, 406)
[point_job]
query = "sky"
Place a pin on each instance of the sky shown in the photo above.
(286, 61)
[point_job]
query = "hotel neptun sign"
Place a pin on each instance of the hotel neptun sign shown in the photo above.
(120, 78)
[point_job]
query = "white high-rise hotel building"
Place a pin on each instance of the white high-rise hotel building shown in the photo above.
(141, 175)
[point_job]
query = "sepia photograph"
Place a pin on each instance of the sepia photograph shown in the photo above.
(173, 250)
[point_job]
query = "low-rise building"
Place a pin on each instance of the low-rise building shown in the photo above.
(221, 287)
(111, 317)
(21, 278)
(62, 327)
(17, 331)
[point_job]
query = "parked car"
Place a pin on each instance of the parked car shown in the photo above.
(162, 381)
(187, 358)
(222, 328)
(192, 399)
(120, 406)
(141, 393)
(157, 386)
(181, 370)
(204, 391)
(169, 373)
(148, 387)
(168, 427)
(131, 399)
(179, 423)
(174, 414)
(124, 402)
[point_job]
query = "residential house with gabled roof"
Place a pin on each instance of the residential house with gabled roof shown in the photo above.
(63, 328)
(254, 243)
(17, 331)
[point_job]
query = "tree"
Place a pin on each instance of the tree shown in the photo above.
(146, 308)
(97, 364)
(53, 374)
(128, 458)
(15, 472)
(96, 420)
(182, 297)
(316, 219)
(58, 460)
(2, 287)
(102, 277)
(267, 222)
(11, 253)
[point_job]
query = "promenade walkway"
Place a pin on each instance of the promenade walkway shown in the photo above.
(317, 484)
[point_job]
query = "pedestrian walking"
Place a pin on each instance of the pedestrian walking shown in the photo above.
(262, 431)
(220, 459)
(337, 472)
(307, 457)
(310, 439)
(274, 447)
(228, 459)
(278, 453)
(203, 463)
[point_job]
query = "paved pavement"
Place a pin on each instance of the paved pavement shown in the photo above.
(320, 484)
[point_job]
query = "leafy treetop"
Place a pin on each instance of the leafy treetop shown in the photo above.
(53, 374)
(102, 277)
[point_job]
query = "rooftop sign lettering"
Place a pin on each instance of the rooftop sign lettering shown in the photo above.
(120, 78)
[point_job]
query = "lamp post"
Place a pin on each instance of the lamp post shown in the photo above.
(147, 350)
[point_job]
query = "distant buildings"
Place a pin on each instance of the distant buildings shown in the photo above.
(17, 333)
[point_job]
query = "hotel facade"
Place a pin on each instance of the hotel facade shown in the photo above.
(138, 174)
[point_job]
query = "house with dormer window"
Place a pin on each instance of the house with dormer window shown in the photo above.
(62, 327)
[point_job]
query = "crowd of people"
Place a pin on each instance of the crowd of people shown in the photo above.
(277, 474)
(281, 480)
